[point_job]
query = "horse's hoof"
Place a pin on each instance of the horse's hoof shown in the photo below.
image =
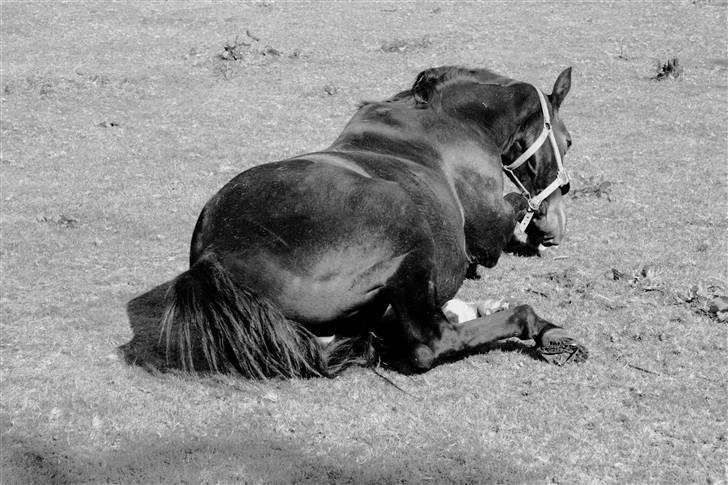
(555, 346)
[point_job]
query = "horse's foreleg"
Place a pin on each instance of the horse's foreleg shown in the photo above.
(552, 341)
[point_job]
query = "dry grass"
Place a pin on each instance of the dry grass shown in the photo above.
(120, 120)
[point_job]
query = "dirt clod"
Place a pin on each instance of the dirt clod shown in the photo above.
(61, 220)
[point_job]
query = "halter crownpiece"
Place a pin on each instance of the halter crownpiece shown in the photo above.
(562, 178)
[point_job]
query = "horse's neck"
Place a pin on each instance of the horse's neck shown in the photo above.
(477, 176)
(494, 111)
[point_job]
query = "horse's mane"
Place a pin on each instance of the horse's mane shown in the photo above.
(432, 80)
(429, 81)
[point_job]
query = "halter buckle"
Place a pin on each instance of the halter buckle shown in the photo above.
(533, 204)
(563, 177)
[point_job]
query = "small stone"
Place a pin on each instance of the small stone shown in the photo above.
(97, 422)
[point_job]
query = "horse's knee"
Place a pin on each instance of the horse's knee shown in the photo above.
(422, 357)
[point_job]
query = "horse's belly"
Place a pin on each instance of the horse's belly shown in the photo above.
(337, 287)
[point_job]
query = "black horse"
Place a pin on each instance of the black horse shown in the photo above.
(395, 213)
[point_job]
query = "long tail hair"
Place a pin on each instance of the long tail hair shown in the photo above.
(213, 324)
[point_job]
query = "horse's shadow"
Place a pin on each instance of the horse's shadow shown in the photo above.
(146, 350)
(145, 316)
(252, 449)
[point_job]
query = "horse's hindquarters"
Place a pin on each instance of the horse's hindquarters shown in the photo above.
(318, 240)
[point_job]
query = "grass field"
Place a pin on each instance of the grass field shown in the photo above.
(119, 120)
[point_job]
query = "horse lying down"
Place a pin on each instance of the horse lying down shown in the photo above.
(396, 213)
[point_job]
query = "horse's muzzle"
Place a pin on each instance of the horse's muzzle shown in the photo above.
(550, 241)
(549, 227)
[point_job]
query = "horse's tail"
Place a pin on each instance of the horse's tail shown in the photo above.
(213, 324)
(345, 352)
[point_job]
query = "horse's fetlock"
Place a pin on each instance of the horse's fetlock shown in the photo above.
(528, 319)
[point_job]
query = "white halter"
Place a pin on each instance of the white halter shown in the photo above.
(562, 178)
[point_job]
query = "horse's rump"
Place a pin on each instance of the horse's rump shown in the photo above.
(323, 237)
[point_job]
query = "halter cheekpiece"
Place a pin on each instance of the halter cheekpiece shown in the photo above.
(562, 178)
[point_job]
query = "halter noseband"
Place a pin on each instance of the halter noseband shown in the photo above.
(562, 178)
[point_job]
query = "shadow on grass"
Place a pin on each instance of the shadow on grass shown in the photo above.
(145, 350)
(250, 454)
(145, 315)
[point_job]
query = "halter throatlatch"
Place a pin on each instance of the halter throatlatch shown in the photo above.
(562, 178)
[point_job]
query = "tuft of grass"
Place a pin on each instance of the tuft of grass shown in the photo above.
(239, 50)
(239, 54)
(400, 46)
(671, 69)
(330, 89)
(61, 220)
(592, 187)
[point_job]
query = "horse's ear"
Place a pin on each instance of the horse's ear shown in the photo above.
(561, 88)
(423, 86)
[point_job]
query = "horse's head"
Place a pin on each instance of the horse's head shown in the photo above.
(524, 124)
(533, 161)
